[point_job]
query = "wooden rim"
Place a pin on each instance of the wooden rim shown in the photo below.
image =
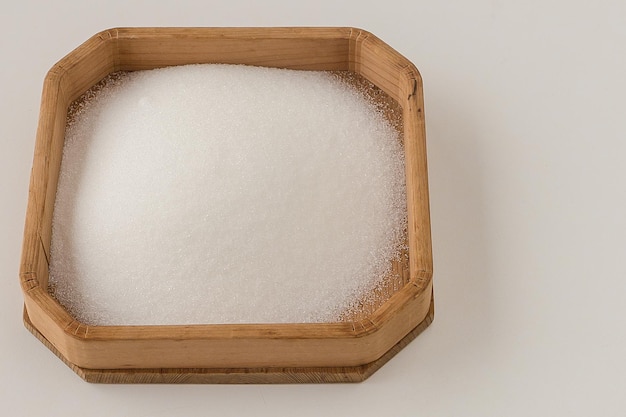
(131, 49)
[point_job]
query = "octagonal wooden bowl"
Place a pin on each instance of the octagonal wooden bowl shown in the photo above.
(345, 351)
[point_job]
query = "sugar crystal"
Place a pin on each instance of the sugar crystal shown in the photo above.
(225, 194)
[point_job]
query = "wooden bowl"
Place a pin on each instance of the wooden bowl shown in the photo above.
(230, 353)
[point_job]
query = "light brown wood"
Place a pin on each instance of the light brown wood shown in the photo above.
(354, 343)
(235, 375)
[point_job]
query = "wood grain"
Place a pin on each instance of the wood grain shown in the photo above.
(268, 375)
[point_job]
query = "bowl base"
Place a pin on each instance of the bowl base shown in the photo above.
(235, 375)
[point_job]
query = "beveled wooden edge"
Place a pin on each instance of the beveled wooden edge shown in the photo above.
(235, 375)
(246, 32)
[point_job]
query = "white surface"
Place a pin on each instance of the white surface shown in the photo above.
(526, 138)
(263, 220)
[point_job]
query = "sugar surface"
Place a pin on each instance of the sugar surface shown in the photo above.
(225, 194)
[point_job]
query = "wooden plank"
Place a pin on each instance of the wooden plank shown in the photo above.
(269, 375)
(420, 242)
(294, 48)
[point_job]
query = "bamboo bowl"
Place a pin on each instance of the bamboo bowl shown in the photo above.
(346, 351)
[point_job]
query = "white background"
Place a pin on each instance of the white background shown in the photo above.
(526, 122)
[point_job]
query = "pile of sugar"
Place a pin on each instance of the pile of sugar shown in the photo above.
(225, 194)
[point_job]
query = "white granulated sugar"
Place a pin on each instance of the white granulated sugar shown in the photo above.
(225, 194)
